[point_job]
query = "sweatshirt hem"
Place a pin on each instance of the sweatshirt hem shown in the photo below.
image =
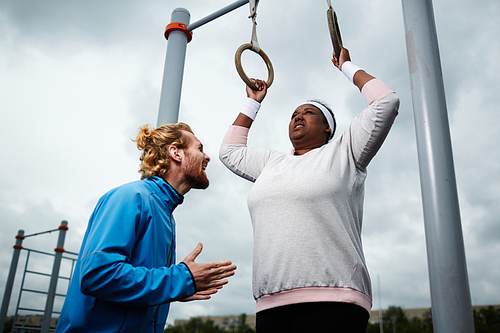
(314, 294)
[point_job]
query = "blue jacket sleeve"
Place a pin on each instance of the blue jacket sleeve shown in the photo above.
(123, 254)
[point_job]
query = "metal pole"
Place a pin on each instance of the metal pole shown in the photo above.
(380, 316)
(49, 305)
(10, 280)
(173, 73)
(450, 295)
(217, 14)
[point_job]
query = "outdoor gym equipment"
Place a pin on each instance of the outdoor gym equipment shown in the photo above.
(255, 47)
(333, 26)
(450, 295)
(54, 277)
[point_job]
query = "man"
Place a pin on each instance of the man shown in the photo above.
(126, 277)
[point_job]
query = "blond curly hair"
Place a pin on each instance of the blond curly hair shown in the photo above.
(154, 143)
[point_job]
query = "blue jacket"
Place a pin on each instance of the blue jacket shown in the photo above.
(125, 277)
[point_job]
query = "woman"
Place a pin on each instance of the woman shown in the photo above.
(309, 271)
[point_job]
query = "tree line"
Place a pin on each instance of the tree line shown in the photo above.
(486, 320)
(197, 325)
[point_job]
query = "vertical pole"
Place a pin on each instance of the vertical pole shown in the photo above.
(21, 290)
(450, 295)
(47, 315)
(174, 71)
(380, 316)
(10, 280)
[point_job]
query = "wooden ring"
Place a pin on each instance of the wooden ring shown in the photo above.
(241, 72)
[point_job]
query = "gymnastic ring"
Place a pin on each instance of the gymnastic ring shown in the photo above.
(241, 72)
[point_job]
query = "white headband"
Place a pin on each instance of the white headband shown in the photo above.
(328, 115)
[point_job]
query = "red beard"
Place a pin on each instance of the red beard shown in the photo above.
(194, 173)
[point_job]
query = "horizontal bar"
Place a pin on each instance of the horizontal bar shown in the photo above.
(41, 233)
(38, 273)
(36, 251)
(28, 309)
(28, 328)
(216, 14)
(42, 292)
(52, 254)
(35, 291)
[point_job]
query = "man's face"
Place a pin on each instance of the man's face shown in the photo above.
(195, 163)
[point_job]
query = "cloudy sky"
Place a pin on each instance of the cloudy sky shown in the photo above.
(77, 79)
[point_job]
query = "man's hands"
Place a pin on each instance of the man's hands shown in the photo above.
(208, 277)
(257, 95)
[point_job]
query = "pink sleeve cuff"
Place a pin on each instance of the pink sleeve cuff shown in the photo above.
(374, 89)
(236, 135)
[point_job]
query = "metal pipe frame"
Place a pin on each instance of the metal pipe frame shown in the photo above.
(217, 14)
(49, 305)
(173, 72)
(450, 295)
(10, 280)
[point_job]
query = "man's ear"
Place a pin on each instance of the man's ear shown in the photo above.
(175, 153)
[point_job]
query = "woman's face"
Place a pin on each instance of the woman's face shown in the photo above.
(308, 127)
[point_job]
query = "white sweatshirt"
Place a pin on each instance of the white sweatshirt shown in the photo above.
(307, 211)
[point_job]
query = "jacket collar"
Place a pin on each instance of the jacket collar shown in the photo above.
(171, 195)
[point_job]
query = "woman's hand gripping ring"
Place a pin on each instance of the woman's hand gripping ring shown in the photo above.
(241, 72)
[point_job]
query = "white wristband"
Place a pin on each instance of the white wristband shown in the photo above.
(349, 69)
(250, 108)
